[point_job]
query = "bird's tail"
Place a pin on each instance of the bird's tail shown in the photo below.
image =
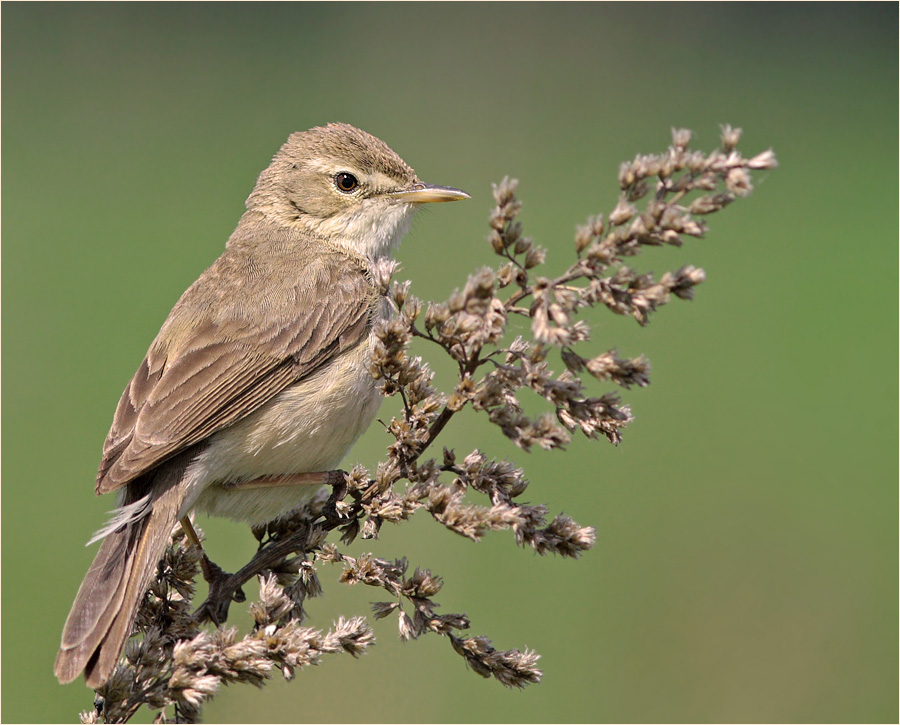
(103, 613)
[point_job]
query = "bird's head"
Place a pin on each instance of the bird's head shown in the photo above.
(345, 186)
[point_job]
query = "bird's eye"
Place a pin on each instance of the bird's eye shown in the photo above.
(346, 182)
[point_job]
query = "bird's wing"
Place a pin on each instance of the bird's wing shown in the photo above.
(225, 365)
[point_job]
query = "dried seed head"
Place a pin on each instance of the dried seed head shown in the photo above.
(738, 182)
(681, 138)
(731, 137)
(765, 160)
(622, 213)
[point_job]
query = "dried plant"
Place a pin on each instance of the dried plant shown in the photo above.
(177, 664)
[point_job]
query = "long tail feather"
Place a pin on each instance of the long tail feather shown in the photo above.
(102, 615)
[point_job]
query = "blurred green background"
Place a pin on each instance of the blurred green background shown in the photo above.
(746, 566)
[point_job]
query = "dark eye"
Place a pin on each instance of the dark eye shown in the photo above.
(346, 182)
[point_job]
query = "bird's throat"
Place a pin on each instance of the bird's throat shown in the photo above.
(373, 230)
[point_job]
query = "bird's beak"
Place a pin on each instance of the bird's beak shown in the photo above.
(421, 193)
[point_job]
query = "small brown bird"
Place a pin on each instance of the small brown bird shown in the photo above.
(258, 383)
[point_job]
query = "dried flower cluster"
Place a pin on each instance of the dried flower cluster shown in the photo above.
(512, 668)
(177, 663)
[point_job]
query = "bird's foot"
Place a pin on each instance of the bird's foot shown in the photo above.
(221, 593)
(339, 489)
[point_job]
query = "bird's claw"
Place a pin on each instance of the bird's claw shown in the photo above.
(339, 489)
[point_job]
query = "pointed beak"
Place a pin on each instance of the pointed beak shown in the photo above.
(421, 193)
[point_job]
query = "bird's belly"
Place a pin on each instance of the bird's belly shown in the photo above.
(308, 427)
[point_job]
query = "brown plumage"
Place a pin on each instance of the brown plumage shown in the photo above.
(210, 365)
(260, 370)
(101, 617)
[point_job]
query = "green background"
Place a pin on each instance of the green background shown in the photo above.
(746, 566)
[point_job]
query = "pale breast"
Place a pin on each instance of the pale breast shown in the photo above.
(307, 428)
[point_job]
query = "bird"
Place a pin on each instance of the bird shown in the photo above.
(258, 382)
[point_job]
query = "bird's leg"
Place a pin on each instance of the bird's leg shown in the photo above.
(319, 478)
(335, 479)
(215, 576)
(190, 533)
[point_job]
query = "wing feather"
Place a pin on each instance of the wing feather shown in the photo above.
(211, 366)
